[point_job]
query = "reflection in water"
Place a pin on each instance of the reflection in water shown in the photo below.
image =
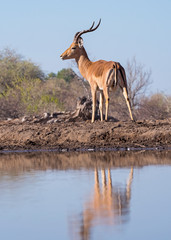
(18, 163)
(38, 198)
(109, 204)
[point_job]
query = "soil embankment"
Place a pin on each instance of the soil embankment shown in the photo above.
(63, 135)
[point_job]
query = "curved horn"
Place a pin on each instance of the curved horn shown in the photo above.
(91, 29)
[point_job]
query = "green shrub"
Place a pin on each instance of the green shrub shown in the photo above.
(66, 74)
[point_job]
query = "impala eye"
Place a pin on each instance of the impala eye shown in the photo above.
(73, 48)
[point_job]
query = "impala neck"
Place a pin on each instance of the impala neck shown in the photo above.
(83, 62)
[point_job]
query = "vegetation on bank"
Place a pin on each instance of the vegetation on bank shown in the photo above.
(26, 90)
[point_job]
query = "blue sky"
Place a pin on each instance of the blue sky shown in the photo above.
(41, 30)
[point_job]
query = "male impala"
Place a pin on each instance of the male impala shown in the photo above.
(101, 74)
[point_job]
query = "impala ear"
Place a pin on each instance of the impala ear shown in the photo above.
(80, 42)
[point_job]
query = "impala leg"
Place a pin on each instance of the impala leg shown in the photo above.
(127, 102)
(106, 95)
(128, 187)
(107, 109)
(101, 106)
(93, 105)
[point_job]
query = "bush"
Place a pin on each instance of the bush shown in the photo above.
(22, 87)
(29, 97)
(157, 106)
(51, 75)
(13, 68)
(66, 74)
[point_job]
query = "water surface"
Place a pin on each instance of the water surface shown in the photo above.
(107, 195)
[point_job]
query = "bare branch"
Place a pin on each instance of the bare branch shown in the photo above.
(138, 81)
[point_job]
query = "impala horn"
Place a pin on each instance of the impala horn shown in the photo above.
(91, 29)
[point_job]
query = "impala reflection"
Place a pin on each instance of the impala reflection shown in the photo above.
(108, 205)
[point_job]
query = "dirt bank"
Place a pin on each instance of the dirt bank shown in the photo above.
(48, 133)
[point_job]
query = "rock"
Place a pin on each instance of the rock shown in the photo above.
(24, 119)
(46, 115)
(55, 115)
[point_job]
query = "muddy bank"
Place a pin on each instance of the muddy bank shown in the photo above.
(34, 134)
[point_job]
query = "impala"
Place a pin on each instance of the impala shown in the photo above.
(101, 74)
